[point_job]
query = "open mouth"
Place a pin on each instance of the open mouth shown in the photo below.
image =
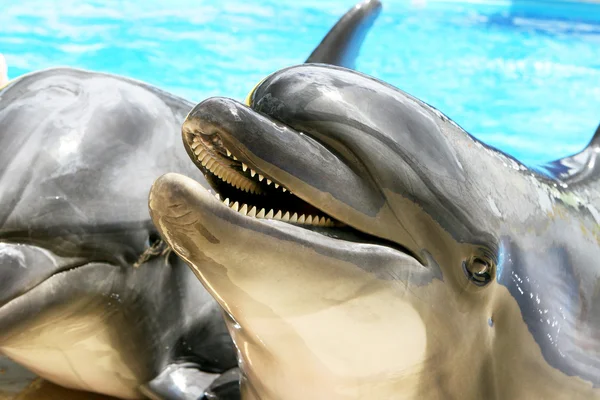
(252, 191)
(245, 189)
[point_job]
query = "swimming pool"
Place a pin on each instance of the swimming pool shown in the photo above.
(523, 76)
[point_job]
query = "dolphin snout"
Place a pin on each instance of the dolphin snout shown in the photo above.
(24, 266)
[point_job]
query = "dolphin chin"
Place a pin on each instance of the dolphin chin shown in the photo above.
(277, 314)
(72, 340)
(26, 266)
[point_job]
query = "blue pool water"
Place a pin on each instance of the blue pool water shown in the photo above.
(523, 76)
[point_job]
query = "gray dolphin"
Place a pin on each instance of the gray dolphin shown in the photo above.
(85, 301)
(388, 253)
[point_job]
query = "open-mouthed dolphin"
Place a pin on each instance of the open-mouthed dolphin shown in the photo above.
(79, 152)
(385, 253)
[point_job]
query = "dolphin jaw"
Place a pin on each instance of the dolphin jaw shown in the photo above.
(252, 185)
(65, 270)
(221, 158)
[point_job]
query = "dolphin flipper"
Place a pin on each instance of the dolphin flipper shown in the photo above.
(182, 381)
(187, 382)
(341, 45)
(580, 167)
(225, 387)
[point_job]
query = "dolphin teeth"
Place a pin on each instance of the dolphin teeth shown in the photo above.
(231, 174)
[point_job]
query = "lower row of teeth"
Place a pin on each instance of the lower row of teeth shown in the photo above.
(303, 219)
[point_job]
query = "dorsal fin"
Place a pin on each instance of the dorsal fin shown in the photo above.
(595, 142)
(578, 168)
(342, 43)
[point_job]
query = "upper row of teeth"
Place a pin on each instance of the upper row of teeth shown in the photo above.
(251, 211)
(260, 177)
(228, 175)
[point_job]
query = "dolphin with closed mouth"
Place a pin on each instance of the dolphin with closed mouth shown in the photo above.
(380, 251)
(85, 299)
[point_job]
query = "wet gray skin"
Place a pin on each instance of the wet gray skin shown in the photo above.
(85, 298)
(448, 270)
(79, 152)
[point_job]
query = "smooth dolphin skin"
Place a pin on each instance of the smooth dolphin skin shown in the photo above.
(85, 298)
(79, 152)
(404, 260)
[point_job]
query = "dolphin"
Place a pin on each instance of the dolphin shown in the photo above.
(384, 252)
(86, 301)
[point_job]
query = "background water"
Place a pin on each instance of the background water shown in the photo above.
(523, 76)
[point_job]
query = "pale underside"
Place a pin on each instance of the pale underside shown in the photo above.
(313, 326)
(72, 346)
(17, 383)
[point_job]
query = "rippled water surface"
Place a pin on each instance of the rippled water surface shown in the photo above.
(522, 76)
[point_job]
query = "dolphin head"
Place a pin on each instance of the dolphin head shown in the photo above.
(354, 243)
(403, 172)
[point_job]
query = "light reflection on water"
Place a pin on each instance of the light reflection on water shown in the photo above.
(522, 76)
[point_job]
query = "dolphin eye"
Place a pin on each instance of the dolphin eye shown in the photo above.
(153, 240)
(479, 269)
